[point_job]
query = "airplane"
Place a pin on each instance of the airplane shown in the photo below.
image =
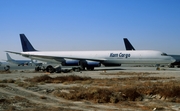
(91, 59)
(22, 62)
(5, 65)
(129, 46)
(18, 62)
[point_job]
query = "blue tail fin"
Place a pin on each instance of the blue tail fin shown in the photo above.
(128, 44)
(26, 45)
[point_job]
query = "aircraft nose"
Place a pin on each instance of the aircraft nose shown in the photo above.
(172, 59)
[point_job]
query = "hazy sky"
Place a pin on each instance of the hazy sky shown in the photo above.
(90, 24)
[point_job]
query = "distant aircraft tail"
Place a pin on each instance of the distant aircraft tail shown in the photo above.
(128, 45)
(26, 45)
(8, 57)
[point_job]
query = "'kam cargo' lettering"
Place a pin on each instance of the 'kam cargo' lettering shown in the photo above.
(120, 55)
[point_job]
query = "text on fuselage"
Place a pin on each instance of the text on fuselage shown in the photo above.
(119, 55)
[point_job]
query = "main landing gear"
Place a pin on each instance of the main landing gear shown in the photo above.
(58, 69)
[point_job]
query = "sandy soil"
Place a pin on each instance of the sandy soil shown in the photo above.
(34, 97)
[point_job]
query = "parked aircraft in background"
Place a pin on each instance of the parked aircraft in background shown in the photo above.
(5, 65)
(22, 62)
(91, 59)
(18, 62)
(129, 46)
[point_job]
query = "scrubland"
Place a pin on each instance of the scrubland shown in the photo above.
(76, 91)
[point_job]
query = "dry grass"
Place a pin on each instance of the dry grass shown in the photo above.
(128, 73)
(100, 95)
(43, 97)
(7, 81)
(119, 89)
(112, 90)
(60, 79)
(5, 72)
(3, 85)
(125, 93)
(53, 109)
(18, 103)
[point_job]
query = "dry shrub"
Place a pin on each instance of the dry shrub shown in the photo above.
(43, 97)
(3, 85)
(170, 91)
(11, 108)
(99, 95)
(4, 101)
(128, 73)
(10, 81)
(71, 78)
(5, 72)
(132, 94)
(43, 78)
(87, 82)
(60, 79)
(4, 81)
(7, 81)
(20, 99)
(54, 109)
(119, 89)
(25, 85)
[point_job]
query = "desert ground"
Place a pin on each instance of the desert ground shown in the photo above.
(109, 89)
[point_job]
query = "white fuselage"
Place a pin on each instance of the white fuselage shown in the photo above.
(121, 57)
(20, 62)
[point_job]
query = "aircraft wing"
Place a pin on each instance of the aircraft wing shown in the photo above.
(14, 52)
(57, 58)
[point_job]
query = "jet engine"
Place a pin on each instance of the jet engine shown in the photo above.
(70, 63)
(89, 64)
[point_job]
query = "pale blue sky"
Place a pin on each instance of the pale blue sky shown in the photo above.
(90, 24)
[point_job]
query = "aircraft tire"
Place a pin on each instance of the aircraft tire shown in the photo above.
(37, 68)
(90, 68)
(7, 68)
(50, 69)
(171, 66)
(77, 69)
(82, 68)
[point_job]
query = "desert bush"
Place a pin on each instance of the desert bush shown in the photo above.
(7, 81)
(25, 85)
(128, 73)
(131, 94)
(3, 85)
(60, 79)
(43, 78)
(170, 91)
(43, 97)
(5, 72)
(4, 101)
(99, 95)
(10, 81)
(20, 99)
(164, 89)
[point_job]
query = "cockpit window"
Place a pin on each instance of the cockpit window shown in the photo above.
(164, 54)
